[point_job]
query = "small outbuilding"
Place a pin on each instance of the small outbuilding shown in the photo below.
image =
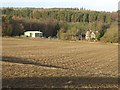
(33, 34)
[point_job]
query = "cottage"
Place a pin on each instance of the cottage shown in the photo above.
(87, 35)
(33, 34)
(93, 35)
(90, 35)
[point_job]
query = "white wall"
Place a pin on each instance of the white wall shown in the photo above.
(32, 34)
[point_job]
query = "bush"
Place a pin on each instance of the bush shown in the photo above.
(111, 35)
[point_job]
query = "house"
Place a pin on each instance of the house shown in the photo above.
(90, 35)
(33, 34)
(93, 35)
(87, 35)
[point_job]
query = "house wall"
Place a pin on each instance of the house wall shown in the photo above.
(33, 34)
(93, 35)
(87, 36)
(29, 34)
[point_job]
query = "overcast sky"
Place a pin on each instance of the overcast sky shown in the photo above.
(99, 5)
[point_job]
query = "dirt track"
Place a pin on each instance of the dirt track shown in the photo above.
(54, 63)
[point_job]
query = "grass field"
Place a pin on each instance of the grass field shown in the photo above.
(53, 63)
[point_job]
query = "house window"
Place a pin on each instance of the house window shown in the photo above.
(37, 34)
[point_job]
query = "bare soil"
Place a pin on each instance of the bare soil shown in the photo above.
(40, 63)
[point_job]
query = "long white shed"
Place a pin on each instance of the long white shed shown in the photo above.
(33, 34)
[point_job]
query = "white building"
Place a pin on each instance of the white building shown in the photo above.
(33, 34)
(87, 35)
(93, 35)
(90, 35)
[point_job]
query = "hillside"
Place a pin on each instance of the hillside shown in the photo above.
(62, 23)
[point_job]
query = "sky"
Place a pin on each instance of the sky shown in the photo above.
(99, 5)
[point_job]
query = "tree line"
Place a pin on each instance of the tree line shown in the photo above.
(66, 15)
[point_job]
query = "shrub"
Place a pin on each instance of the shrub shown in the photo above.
(111, 34)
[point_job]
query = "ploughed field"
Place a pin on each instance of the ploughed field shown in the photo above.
(30, 63)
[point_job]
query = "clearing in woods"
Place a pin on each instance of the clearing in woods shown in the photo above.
(54, 63)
